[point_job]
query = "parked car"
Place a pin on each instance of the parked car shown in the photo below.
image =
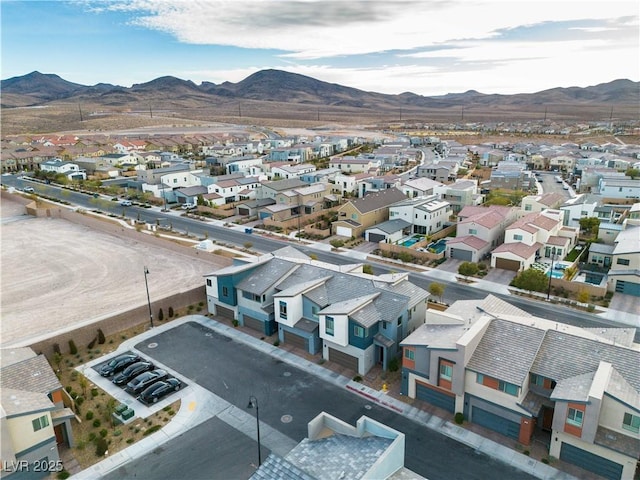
(144, 380)
(131, 372)
(159, 390)
(126, 203)
(28, 189)
(118, 364)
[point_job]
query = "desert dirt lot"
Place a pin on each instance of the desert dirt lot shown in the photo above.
(56, 274)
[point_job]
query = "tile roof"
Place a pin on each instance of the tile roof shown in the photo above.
(391, 226)
(506, 351)
(377, 200)
(19, 402)
(487, 218)
(266, 276)
(559, 350)
(574, 388)
(32, 374)
(275, 467)
(470, 240)
(519, 249)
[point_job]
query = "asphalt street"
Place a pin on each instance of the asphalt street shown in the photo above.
(289, 398)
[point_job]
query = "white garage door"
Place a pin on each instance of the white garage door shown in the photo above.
(344, 232)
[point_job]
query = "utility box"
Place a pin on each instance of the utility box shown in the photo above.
(128, 413)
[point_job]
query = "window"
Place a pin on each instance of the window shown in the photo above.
(399, 321)
(446, 371)
(527, 207)
(507, 387)
(358, 331)
(536, 380)
(328, 325)
(409, 354)
(517, 237)
(384, 325)
(314, 311)
(473, 231)
(575, 417)
(283, 310)
(209, 282)
(40, 423)
(631, 422)
(622, 261)
(225, 292)
(480, 378)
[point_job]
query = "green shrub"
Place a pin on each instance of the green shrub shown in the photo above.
(591, 308)
(170, 312)
(79, 400)
(276, 343)
(92, 436)
(160, 315)
(130, 440)
(94, 392)
(89, 415)
(357, 378)
(394, 365)
(73, 350)
(117, 433)
(458, 418)
(101, 338)
(68, 388)
(103, 433)
(101, 447)
(235, 322)
(96, 423)
(73, 394)
(167, 408)
(152, 429)
(201, 304)
(56, 349)
(63, 474)
(526, 452)
(92, 343)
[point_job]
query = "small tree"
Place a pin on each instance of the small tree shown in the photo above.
(248, 245)
(72, 347)
(57, 359)
(101, 446)
(468, 269)
(170, 312)
(101, 338)
(583, 296)
(84, 383)
(336, 243)
(532, 280)
(590, 225)
(633, 173)
(368, 269)
(437, 290)
(160, 315)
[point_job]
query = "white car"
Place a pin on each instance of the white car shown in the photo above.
(188, 206)
(126, 203)
(28, 189)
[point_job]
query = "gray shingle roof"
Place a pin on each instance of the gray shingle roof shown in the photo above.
(33, 374)
(506, 351)
(557, 356)
(265, 276)
(574, 388)
(19, 402)
(275, 467)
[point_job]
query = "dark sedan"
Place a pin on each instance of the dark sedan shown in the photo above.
(145, 379)
(159, 390)
(131, 372)
(118, 364)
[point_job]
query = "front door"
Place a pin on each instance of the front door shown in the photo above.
(380, 354)
(547, 419)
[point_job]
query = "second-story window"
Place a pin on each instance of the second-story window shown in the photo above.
(329, 325)
(446, 371)
(631, 422)
(283, 310)
(575, 417)
(358, 331)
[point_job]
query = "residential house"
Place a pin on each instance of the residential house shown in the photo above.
(326, 175)
(344, 184)
(357, 215)
(591, 176)
(563, 162)
(536, 234)
(124, 146)
(299, 201)
(581, 206)
(426, 214)
(460, 194)
(231, 188)
(511, 176)
(122, 160)
(368, 450)
(622, 188)
(271, 189)
(420, 187)
(391, 231)
(480, 229)
(608, 232)
(286, 170)
(438, 171)
(517, 374)
(33, 417)
(349, 164)
(624, 274)
(354, 319)
(378, 183)
(537, 203)
(248, 165)
(68, 169)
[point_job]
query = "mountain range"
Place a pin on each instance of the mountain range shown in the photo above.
(280, 94)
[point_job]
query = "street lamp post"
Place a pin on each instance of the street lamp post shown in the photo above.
(146, 284)
(253, 402)
(553, 256)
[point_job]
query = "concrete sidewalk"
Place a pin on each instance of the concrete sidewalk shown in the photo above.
(199, 405)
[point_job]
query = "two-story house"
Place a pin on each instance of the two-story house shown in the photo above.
(34, 419)
(355, 319)
(426, 214)
(480, 229)
(357, 215)
(534, 235)
(624, 274)
(299, 201)
(532, 379)
(460, 194)
(537, 203)
(420, 187)
(349, 164)
(70, 170)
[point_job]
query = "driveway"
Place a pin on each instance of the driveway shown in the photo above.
(625, 303)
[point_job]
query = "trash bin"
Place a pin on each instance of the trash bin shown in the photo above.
(248, 230)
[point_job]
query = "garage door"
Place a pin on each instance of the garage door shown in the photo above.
(344, 231)
(253, 323)
(460, 254)
(224, 312)
(495, 422)
(343, 359)
(507, 264)
(590, 461)
(376, 237)
(243, 211)
(628, 288)
(295, 340)
(436, 397)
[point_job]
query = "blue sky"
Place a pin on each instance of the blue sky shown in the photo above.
(428, 47)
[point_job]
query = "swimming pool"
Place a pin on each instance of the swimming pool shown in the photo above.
(411, 241)
(439, 246)
(556, 273)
